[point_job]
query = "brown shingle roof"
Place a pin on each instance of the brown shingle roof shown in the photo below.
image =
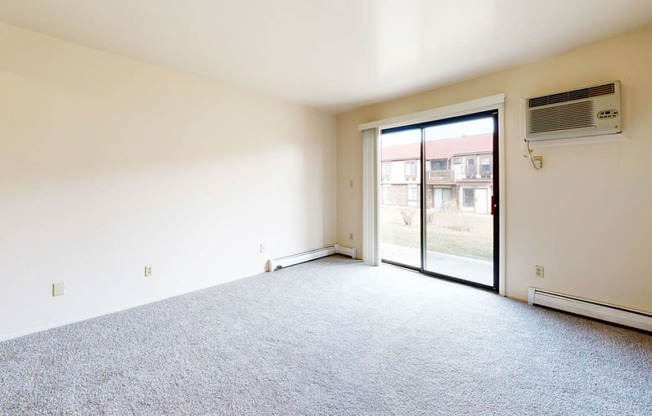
(440, 149)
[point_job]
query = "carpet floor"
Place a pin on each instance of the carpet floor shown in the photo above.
(331, 337)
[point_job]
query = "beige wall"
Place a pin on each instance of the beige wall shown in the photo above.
(587, 216)
(107, 165)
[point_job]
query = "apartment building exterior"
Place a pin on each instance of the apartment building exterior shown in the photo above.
(458, 173)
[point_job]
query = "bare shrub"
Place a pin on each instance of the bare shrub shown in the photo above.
(430, 215)
(457, 221)
(408, 215)
(461, 224)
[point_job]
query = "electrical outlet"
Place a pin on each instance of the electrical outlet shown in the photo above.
(538, 159)
(262, 248)
(350, 236)
(58, 289)
(148, 271)
(538, 271)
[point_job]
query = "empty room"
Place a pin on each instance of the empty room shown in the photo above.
(285, 207)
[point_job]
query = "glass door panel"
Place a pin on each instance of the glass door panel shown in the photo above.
(459, 226)
(400, 206)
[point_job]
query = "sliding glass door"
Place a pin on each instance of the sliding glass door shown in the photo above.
(439, 190)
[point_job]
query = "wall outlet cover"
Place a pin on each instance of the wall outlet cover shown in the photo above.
(58, 289)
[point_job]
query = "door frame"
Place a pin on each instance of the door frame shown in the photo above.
(493, 114)
(371, 183)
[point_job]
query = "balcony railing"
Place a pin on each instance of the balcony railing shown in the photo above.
(478, 172)
(440, 176)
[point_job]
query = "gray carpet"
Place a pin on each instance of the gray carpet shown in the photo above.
(331, 337)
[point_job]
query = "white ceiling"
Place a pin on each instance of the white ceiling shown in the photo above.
(331, 54)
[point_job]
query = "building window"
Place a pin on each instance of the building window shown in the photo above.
(387, 195)
(469, 198)
(441, 196)
(485, 169)
(386, 170)
(470, 168)
(411, 170)
(457, 161)
(439, 164)
(412, 195)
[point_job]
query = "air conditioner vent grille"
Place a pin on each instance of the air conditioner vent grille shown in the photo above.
(564, 117)
(579, 94)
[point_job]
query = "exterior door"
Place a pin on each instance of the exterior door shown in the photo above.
(481, 201)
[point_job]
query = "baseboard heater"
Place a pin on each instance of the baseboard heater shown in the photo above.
(276, 264)
(597, 310)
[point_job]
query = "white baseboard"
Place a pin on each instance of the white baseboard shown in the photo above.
(287, 261)
(592, 309)
(346, 251)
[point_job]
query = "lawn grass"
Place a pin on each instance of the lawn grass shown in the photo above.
(474, 241)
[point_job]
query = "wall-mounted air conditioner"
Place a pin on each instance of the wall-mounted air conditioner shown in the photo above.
(583, 112)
